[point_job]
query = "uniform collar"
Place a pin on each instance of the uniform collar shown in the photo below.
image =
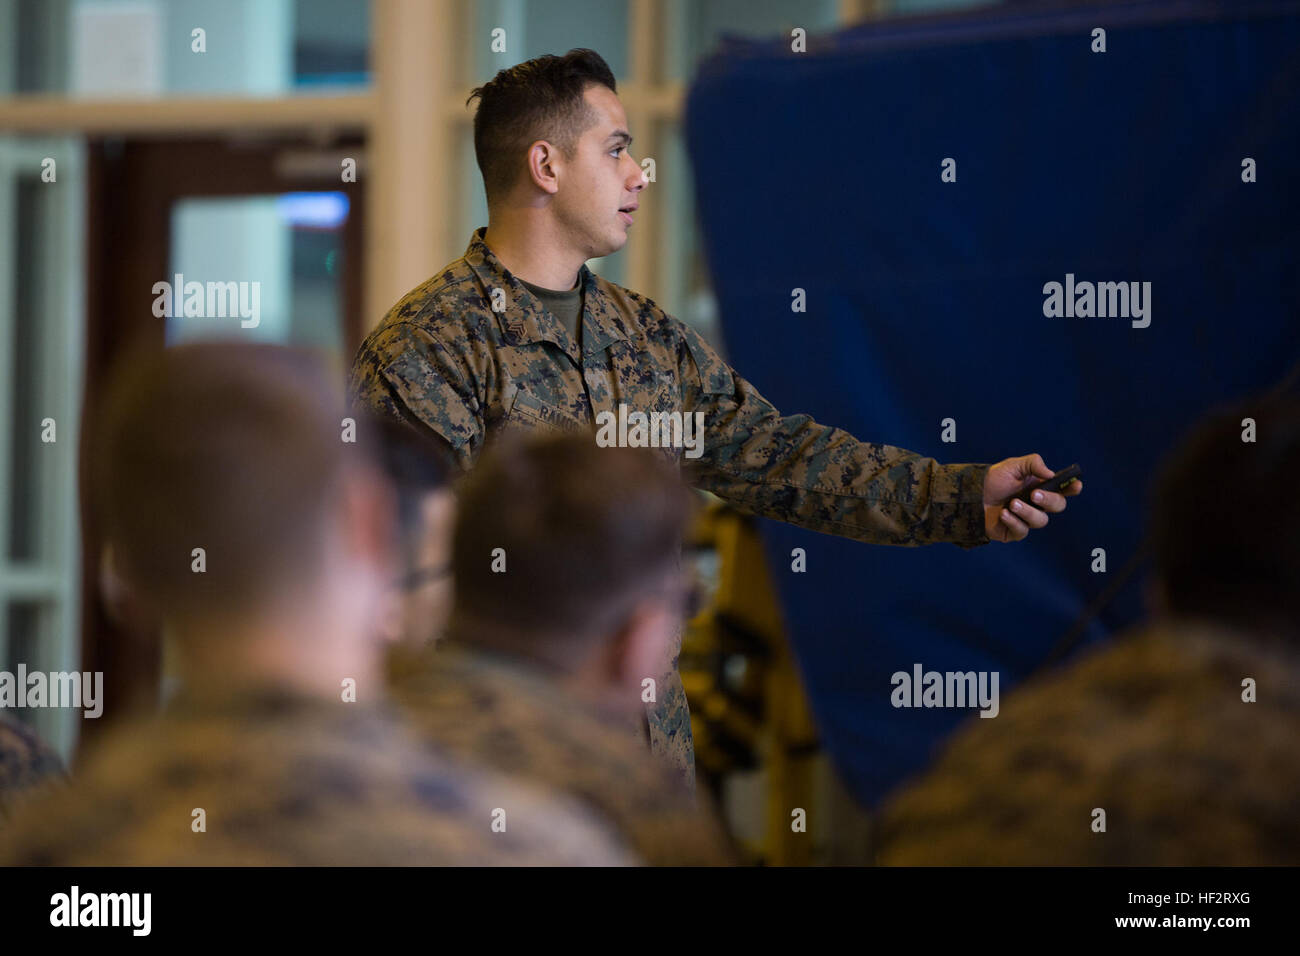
(470, 665)
(525, 320)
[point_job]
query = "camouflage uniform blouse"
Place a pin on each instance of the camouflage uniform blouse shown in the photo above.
(25, 762)
(515, 719)
(286, 780)
(1152, 729)
(445, 361)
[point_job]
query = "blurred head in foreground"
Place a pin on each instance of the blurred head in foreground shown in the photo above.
(1174, 744)
(236, 512)
(1225, 521)
(419, 473)
(567, 603)
(567, 555)
(240, 510)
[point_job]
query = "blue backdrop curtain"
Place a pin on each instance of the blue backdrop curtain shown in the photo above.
(822, 171)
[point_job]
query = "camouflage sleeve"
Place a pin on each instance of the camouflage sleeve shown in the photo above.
(668, 722)
(790, 468)
(404, 373)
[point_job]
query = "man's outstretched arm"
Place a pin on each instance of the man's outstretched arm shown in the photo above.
(790, 468)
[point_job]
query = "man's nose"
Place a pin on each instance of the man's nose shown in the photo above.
(636, 180)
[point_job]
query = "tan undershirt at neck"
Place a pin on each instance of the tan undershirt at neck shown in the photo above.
(565, 305)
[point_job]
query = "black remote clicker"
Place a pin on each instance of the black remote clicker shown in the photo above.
(1055, 483)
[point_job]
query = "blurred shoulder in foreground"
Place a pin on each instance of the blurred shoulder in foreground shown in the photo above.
(273, 778)
(26, 762)
(1154, 731)
(505, 715)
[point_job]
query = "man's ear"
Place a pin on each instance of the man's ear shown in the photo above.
(438, 512)
(111, 586)
(390, 619)
(368, 519)
(543, 166)
(643, 643)
(122, 603)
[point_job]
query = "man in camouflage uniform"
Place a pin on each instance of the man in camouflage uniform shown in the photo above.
(520, 334)
(543, 666)
(275, 777)
(1183, 731)
(25, 762)
(278, 749)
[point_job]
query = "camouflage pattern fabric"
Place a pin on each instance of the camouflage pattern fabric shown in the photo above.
(291, 781)
(444, 361)
(26, 762)
(1153, 730)
(515, 719)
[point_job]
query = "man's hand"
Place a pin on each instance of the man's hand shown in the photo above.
(1010, 477)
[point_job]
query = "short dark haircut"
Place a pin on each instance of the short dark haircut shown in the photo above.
(1226, 519)
(587, 533)
(536, 99)
(233, 448)
(415, 465)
